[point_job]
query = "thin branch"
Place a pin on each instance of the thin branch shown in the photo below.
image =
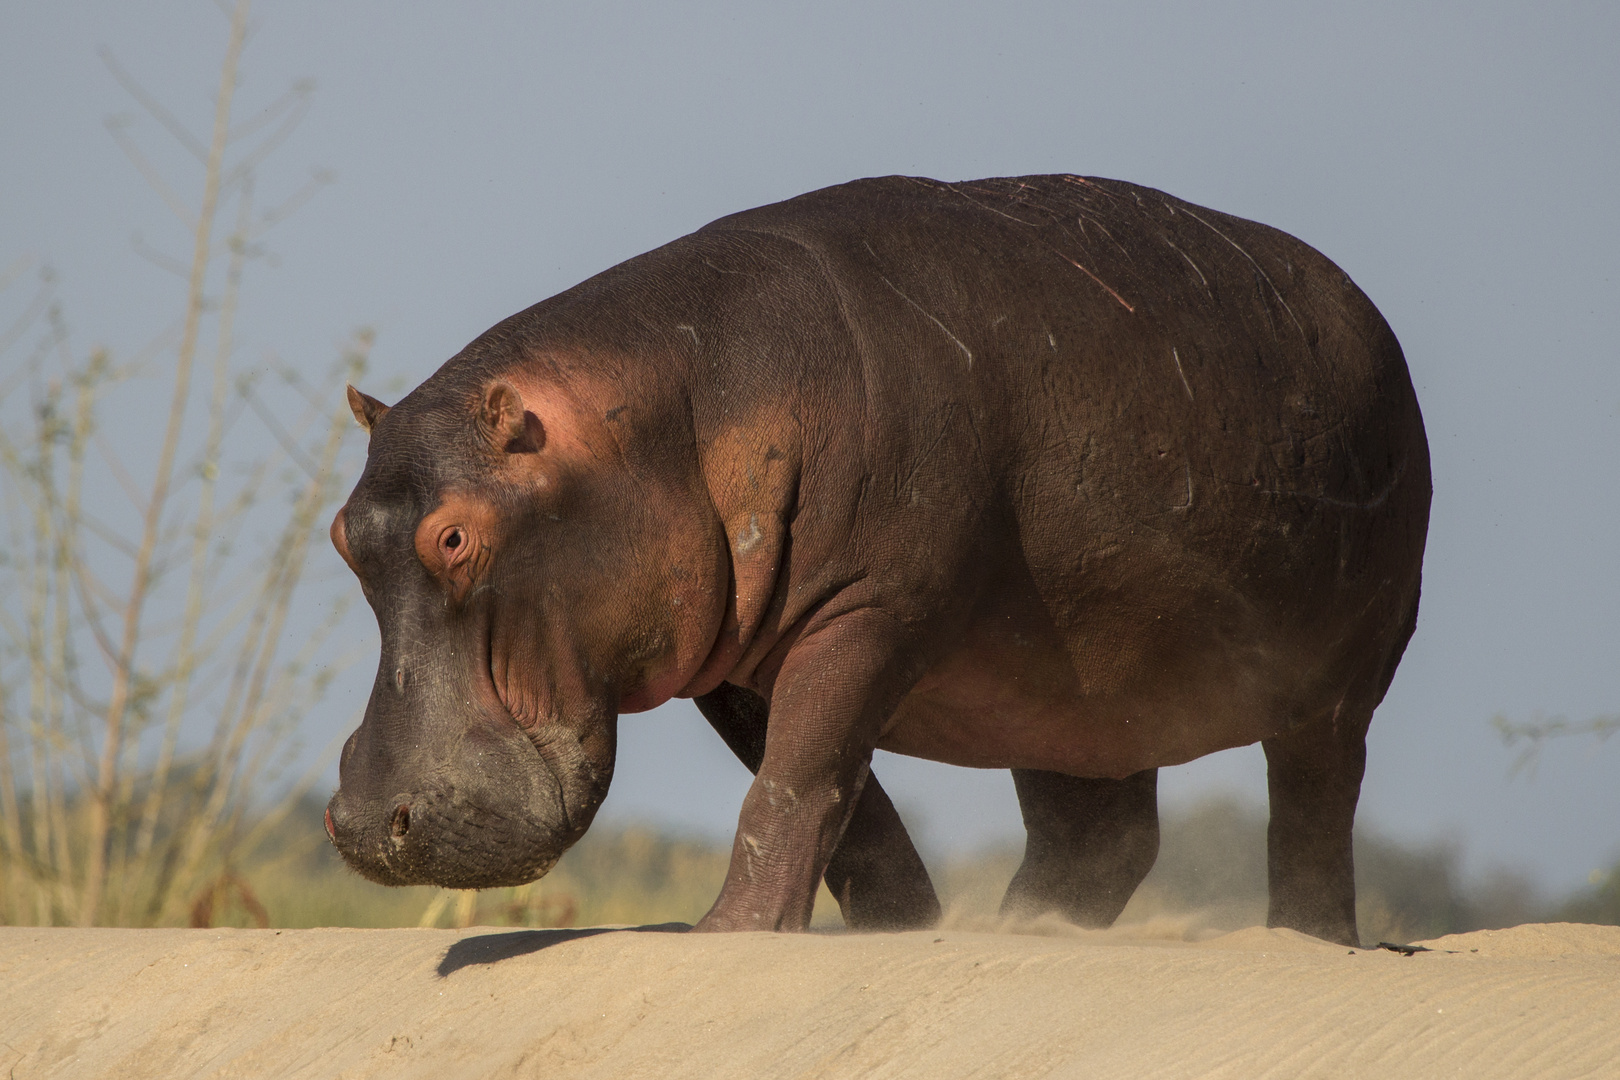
(288, 444)
(115, 465)
(89, 587)
(11, 826)
(257, 659)
(36, 307)
(100, 809)
(106, 533)
(115, 126)
(294, 202)
(19, 266)
(185, 657)
(253, 158)
(273, 111)
(167, 263)
(290, 375)
(159, 342)
(163, 116)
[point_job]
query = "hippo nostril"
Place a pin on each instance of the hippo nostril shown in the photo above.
(401, 823)
(331, 833)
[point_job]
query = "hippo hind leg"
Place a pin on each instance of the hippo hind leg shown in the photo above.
(1090, 843)
(875, 873)
(1313, 774)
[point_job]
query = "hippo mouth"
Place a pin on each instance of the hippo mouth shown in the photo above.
(540, 747)
(453, 839)
(482, 807)
(530, 726)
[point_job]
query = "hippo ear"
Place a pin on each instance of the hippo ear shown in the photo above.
(509, 427)
(367, 409)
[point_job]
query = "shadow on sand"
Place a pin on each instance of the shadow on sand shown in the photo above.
(493, 948)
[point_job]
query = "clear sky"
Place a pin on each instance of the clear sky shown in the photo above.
(1457, 160)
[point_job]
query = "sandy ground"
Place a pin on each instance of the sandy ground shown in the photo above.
(1533, 1001)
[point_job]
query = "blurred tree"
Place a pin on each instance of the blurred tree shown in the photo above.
(1535, 734)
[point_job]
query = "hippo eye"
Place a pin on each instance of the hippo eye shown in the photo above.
(452, 544)
(452, 547)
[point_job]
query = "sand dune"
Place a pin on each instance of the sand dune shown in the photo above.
(1532, 1001)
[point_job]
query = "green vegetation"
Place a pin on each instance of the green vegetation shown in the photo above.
(1598, 904)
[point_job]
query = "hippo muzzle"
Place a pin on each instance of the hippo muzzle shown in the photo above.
(486, 812)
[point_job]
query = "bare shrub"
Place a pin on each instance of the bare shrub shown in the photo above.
(147, 687)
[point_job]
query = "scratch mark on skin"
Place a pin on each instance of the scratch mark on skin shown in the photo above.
(1348, 504)
(1351, 504)
(1102, 283)
(692, 332)
(1187, 385)
(993, 210)
(1081, 221)
(1188, 504)
(1257, 269)
(1192, 264)
(922, 459)
(1083, 182)
(1049, 247)
(967, 352)
(788, 797)
(1051, 340)
(748, 539)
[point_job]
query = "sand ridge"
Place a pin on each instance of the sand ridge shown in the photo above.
(1541, 1000)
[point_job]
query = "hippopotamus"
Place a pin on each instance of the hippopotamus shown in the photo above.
(1055, 474)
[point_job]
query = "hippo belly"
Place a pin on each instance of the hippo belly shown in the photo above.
(1125, 697)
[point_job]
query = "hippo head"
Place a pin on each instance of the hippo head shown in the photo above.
(531, 579)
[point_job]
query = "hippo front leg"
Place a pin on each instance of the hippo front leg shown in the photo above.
(875, 873)
(831, 697)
